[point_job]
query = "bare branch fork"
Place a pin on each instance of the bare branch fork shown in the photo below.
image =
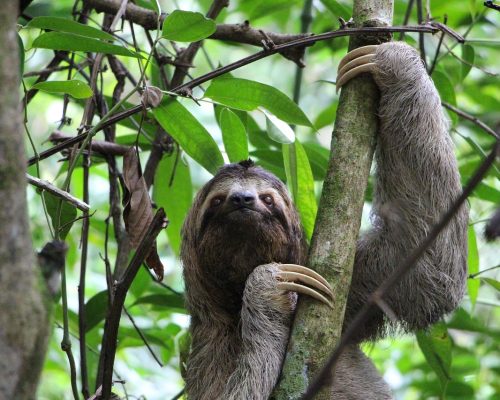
(109, 341)
(325, 375)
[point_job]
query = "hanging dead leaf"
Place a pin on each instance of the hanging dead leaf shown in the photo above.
(137, 211)
(153, 262)
(152, 96)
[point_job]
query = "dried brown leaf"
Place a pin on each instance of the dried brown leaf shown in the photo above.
(137, 211)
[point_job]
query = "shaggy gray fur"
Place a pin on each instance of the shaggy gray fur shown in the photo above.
(240, 320)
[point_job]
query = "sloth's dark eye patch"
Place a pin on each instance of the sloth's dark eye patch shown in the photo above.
(216, 201)
(267, 199)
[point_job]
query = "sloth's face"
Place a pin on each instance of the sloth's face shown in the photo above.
(246, 205)
(244, 201)
(242, 218)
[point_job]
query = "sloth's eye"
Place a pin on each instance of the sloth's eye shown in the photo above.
(216, 201)
(267, 199)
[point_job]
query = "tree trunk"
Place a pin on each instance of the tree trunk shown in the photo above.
(24, 324)
(316, 328)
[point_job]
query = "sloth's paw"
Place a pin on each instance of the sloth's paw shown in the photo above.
(391, 64)
(275, 286)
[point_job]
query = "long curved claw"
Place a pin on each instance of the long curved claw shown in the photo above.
(354, 63)
(293, 277)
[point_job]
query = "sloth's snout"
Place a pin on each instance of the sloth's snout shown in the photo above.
(244, 198)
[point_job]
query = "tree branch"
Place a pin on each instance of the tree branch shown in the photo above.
(185, 57)
(185, 89)
(339, 215)
(471, 118)
(49, 187)
(109, 341)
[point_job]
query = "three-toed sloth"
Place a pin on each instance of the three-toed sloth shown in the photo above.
(242, 240)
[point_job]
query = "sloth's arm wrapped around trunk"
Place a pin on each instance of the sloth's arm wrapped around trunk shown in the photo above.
(265, 325)
(417, 181)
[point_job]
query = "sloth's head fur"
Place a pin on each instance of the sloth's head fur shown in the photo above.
(242, 218)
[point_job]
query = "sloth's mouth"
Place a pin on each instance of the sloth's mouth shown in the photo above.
(243, 209)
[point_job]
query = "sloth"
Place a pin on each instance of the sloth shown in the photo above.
(243, 246)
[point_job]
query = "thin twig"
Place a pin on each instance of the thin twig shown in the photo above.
(492, 5)
(305, 23)
(428, 28)
(112, 322)
(82, 328)
(49, 187)
(66, 341)
(106, 148)
(143, 337)
(472, 276)
(452, 53)
(185, 88)
(471, 118)
(407, 18)
(421, 43)
(434, 62)
(178, 395)
(81, 65)
(406, 265)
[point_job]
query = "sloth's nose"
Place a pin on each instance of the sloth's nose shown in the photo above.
(242, 198)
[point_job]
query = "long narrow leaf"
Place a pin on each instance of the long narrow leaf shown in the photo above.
(247, 95)
(234, 136)
(66, 25)
(173, 191)
(299, 171)
(473, 264)
(189, 133)
(72, 42)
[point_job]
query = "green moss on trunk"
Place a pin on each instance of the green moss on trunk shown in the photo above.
(24, 323)
(316, 328)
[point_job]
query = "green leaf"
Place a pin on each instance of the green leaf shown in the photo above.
(473, 263)
(141, 282)
(74, 87)
(479, 150)
(71, 42)
(96, 309)
(327, 115)
(492, 282)
(187, 26)
(68, 214)
(20, 45)
(436, 345)
(492, 43)
(468, 57)
(152, 5)
(173, 301)
(318, 157)
(337, 9)
(278, 130)
(272, 160)
(173, 191)
(234, 135)
(486, 192)
(462, 320)
(247, 95)
(66, 25)
(446, 91)
(189, 133)
(300, 178)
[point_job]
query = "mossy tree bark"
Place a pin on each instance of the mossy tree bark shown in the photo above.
(316, 328)
(24, 324)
